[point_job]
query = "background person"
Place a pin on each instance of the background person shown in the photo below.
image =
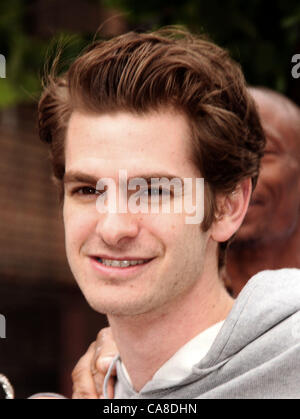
(269, 237)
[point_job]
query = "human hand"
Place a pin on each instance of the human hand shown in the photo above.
(89, 373)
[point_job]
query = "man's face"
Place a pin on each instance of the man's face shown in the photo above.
(274, 209)
(152, 145)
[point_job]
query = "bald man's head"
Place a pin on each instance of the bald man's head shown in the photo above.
(274, 212)
(283, 107)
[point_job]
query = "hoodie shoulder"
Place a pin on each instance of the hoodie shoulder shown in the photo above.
(276, 291)
(270, 298)
(273, 278)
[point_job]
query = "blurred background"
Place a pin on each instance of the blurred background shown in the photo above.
(48, 323)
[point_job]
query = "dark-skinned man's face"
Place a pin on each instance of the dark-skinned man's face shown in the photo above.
(275, 207)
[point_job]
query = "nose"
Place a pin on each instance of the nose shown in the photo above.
(115, 229)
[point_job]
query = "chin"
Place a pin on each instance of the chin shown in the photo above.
(249, 235)
(119, 310)
(121, 306)
(247, 231)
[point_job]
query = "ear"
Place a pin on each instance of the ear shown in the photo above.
(231, 211)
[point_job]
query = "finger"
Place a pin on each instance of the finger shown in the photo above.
(103, 363)
(101, 367)
(105, 352)
(83, 383)
(105, 344)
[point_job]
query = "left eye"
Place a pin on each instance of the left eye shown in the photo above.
(86, 190)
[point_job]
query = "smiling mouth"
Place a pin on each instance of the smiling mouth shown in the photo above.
(121, 264)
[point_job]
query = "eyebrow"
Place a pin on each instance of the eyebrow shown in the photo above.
(77, 176)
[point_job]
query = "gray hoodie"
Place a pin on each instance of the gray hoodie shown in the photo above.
(256, 354)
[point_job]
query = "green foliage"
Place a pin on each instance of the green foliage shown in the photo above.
(261, 35)
(18, 50)
(25, 54)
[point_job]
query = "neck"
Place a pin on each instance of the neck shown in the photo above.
(245, 260)
(147, 341)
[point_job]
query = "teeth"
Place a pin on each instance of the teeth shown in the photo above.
(121, 263)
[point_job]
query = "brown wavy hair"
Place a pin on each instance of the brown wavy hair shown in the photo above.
(141, 72)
